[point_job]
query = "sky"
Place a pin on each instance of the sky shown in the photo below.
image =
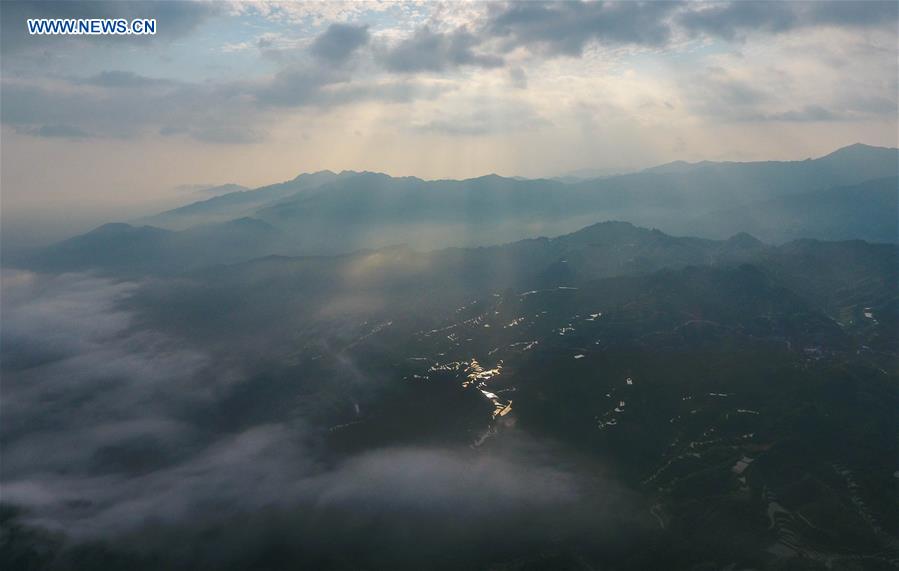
(94, 129)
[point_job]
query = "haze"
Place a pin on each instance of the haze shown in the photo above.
(99, 129)
(462, 286)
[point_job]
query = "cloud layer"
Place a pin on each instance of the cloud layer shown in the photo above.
(114, 432)
(123, 103)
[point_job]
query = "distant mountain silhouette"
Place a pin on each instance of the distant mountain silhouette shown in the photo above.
(848, 194)
(667, 196)
(861, 211)
(234, 204)
(123, 248)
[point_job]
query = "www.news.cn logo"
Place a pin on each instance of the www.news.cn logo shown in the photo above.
(91, 26)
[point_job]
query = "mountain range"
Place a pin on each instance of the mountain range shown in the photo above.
(852, 193)
(695, 403)
(742, 394)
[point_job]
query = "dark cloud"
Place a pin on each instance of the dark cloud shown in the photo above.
(427, 50)
(339, 42)
(735, 20)
(565, 28)
(125, 105)
(174, 20)
(730, 20)
(119, 104)
(317, 87)
(853, 14)
(299, 86)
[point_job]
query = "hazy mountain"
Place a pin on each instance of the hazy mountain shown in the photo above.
(861, 211)
(842, 165)
(126, 249)
(395, 283)
(494, 209)
(237, 203)
(679, 192)
(212, 190)
(601, 249)
(616, 382)
(580, 175)
(223, 189)
(325, 213)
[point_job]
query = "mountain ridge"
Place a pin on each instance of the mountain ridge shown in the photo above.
(330, 213)
(305, 181)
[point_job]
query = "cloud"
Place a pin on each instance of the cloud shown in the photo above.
(93, 402)
(730, 91)
(271, 465)
(339, 42)
(90, 399)
(806, 113)
(68, 338)
(853, 14)
(300, 85)
(174, 20)
(304, 86)
(389, 508)
(305, 73)
(720, 94)
(565, 28)
(796, 82)
(118, 433)
(730, 20)
(488, 117)
(123, 79)
(318, 13)
(518, 78)
(250, 470)
(126, 105)
(735, 20)
(427, 50)
(62, 131)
